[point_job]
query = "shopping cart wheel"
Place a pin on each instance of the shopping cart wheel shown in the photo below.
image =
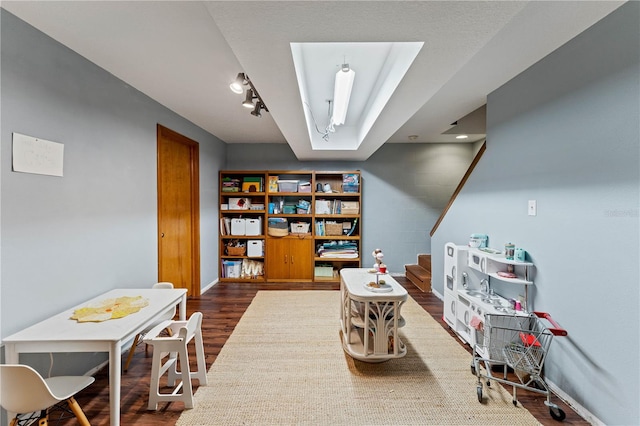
(557, 413)
(479, 391)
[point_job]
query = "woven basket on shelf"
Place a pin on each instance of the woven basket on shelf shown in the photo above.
(236, 251)
(333, 228)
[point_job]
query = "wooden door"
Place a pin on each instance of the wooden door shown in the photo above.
(178, 211)
(301, 258)
(277, 258)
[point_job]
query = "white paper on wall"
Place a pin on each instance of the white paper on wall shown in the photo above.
(39, 156)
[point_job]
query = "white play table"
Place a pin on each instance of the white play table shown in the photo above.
(370, 317)
(62, 334)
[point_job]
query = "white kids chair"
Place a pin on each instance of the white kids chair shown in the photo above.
(167, 316)
(176, 348)
(24, 391)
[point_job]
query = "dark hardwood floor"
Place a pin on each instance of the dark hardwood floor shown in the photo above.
(223, 306)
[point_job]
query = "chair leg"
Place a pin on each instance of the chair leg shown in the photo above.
(154, 385)
(75, 407)
(185, 371)
(132, 350)
(44, 418)
(201, 374)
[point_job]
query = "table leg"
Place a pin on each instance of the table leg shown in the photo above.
(11, 357)
(114, 382)
(183, 308)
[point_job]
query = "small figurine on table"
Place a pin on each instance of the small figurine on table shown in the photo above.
(378, 256)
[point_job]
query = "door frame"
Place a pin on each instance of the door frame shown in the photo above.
(194, 166)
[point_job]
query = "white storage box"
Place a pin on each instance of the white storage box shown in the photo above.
(238, 226)
(232, 268)
(253, 226)
(300, 228)
(255, 248)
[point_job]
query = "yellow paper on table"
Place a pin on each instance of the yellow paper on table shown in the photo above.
(110, 309)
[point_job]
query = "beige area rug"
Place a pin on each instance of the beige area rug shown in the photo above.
(284, 365)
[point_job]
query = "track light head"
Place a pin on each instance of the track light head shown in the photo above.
(236, 85)
(248, 101)
(256, 110)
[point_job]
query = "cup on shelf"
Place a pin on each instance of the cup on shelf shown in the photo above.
(509, 250)
(383, 268)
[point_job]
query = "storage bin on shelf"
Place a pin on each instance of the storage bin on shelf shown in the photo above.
(300, 227)
(323, 271)
(236, 250)
(349, 207)
(278, 227)
(288, 185)
(232, 268)
(255, 248)
(332, 229)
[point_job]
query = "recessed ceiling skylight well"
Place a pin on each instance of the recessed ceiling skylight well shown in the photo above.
(379, 68)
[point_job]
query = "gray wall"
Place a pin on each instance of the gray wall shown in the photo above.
(566, 133)
(67, 239)
(405, 188)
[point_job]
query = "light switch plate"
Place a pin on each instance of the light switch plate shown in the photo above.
(533, 208)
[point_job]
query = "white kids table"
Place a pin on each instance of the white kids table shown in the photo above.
(370, 317)
(62, 334)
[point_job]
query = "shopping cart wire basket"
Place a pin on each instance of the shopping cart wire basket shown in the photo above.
(520, 342)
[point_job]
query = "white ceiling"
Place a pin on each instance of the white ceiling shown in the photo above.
(185, 54)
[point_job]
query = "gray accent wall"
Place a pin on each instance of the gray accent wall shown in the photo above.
(566, 133)
(405, 188)
(67, 239)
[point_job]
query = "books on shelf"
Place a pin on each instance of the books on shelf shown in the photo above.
(230, 185)
(253, 184)
(345, 228)
(273, 183)
(328, 207)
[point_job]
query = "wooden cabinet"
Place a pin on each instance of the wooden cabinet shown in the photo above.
(289, 258)
(322, 211)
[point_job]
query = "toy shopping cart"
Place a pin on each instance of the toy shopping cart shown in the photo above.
(520, 342)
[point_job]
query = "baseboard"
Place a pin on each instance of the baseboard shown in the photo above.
(94, 370)
(438, 295)
(210, 285)
(579, 409)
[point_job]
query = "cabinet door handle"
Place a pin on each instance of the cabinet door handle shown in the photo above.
(292, 260)
(285, 258)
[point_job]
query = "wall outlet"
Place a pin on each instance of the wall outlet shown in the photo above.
(532, 208)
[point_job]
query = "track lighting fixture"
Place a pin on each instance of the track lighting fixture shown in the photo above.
(248, 100)
(256, 110)
(237, 86)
